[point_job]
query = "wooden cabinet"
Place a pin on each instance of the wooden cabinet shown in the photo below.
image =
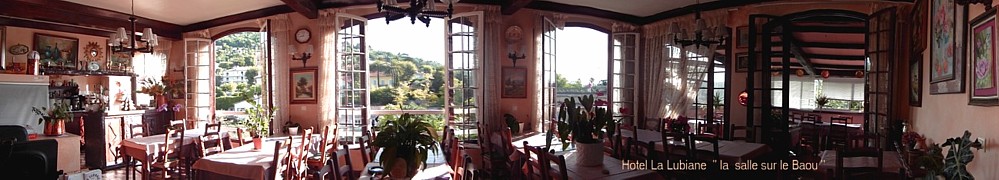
(106, 131)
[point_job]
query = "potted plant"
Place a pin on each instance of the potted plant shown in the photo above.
(512, 123)
(821, 101)
(258, 122)
(959, 155)
(291, 127)
(931, 161)
(158, 89)
(406, 143)
(679, 124)
(54, 119)
(583, 125)
(910, 139)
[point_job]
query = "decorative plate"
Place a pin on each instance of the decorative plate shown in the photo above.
(18, 49)
(93, 66)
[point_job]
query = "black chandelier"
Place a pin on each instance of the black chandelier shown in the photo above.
(418, 9)
(128, 42)
(702, 36)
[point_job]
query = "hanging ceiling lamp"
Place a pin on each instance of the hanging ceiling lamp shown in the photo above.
(127, 42)
(421, 10)
(702, 36)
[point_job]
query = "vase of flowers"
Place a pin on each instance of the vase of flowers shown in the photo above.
(54, 119)
(678, 124)
(911, 138)
(159, 89)
(821, 101)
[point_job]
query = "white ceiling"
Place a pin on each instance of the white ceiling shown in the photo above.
(640, 8)
(181, 12)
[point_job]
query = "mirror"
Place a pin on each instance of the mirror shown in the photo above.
(93, 51)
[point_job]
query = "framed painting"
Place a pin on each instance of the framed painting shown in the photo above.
(57, 51)
(514, 82)
(304, 87)
(984, 89)
(742, 62)
(742, 37)
(947, 53)
(918, 28)
(118, 61)
(916, 80)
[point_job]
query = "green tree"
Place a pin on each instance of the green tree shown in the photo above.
(403, 71)
(251, 75)
(383, 96)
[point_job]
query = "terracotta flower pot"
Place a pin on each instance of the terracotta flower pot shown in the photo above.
(400, 170)
(55, 128)
(257, 142)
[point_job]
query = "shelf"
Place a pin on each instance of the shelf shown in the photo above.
(65, 72)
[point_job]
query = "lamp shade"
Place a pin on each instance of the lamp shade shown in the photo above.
(147, 34)
(701, 25)
(674, 28)
(122, 35)
(34, 55)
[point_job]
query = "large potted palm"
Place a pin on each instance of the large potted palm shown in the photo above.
(406, 142)
(585, 125)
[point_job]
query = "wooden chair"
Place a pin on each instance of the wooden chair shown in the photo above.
(559, 161)
(864, 172)
(734, 137)
(326, 149)
(280, 161)
(239, 138)
(676, 146)
(533, 165)
(457, 162)
(211, 141)
(298, 165)
(344, 171)
(838, 137)
(169, 162)
(706, 155)
(641, 150)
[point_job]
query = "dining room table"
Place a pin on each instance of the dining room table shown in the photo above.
(436, 167)
(612, 168)
(244, 162)
(729, 151)
(891, 163)
(145, 149)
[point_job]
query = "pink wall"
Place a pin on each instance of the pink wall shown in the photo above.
(949, 115)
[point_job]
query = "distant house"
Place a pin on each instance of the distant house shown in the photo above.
(234, 75)
(380, 79)
(241, 106)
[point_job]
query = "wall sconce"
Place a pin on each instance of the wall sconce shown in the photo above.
(305, 55)
(513, 54)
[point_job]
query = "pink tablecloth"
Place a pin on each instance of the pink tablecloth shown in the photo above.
(736, 151)
(243, 162)
(151, 144)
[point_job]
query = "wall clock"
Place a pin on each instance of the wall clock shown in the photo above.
(303, 35)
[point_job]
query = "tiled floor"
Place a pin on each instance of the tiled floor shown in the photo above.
(110, 174)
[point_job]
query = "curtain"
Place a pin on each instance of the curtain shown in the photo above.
(327, 75)
(674, 72)
(279, 38)
(492, 34)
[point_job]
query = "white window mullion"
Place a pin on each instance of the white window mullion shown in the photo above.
(462, 63)
(351, 83)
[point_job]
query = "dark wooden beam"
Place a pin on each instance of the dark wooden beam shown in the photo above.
(20, 22)
(273, 10)
(827, 56)
(574, 9)
(512, 6)
(801, 56)
(307, 8)
(49, 14)
(826, 45)
(819, 67)
(697, 7)
(830, 29)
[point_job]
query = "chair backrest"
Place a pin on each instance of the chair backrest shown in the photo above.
(838, 133)
(815, 117)
(136, 130)
(239, 136)
(735, 137)
(298, 163)
(456, 161)
(280, 161)
(212, 139)
(642, 150)
(559, 160)
(177, 124)
(169, 144)
(365, 149)
(345, 169)
(861, 172)
(327, 148)
(13, 132)
(676, 145)
(707, 155)
(534, 163)
(796, 116)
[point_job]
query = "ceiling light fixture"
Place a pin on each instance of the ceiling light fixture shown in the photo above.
(418, 9)
(122, 41)
(702, 36)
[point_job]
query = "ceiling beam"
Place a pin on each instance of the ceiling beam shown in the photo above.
(821, 66)
(801, 56)
(708, 6)
(49, 15)
(273, 10)
(512, 6)
(307, 8)
(827, 56)
(574, 9)
(830, 29)
(825, 45)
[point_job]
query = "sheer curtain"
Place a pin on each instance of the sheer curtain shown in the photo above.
(279, 38)
(327, 97)
(673, 73)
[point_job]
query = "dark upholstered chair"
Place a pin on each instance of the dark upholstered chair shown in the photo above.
(23, 159)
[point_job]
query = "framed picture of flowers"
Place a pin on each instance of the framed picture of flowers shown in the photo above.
(947, 50)
(984, 89)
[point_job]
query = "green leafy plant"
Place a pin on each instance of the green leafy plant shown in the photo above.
(585, 123)
(932, 161)
(159, 88)
(258, 121)
(59, 113)
(821, 101)
(512, 123)
(408, 139)
(959, 155)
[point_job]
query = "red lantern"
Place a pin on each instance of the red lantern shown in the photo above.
(825, 73)
(800, 72)
(743, 98)
(859, 74)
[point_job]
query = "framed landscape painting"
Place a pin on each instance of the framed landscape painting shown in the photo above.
(742, 36)
(916, 80)
(514, 82)
(947, 39)
(304, 89)
(57, 50)
(985, 90)
(742, 62)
